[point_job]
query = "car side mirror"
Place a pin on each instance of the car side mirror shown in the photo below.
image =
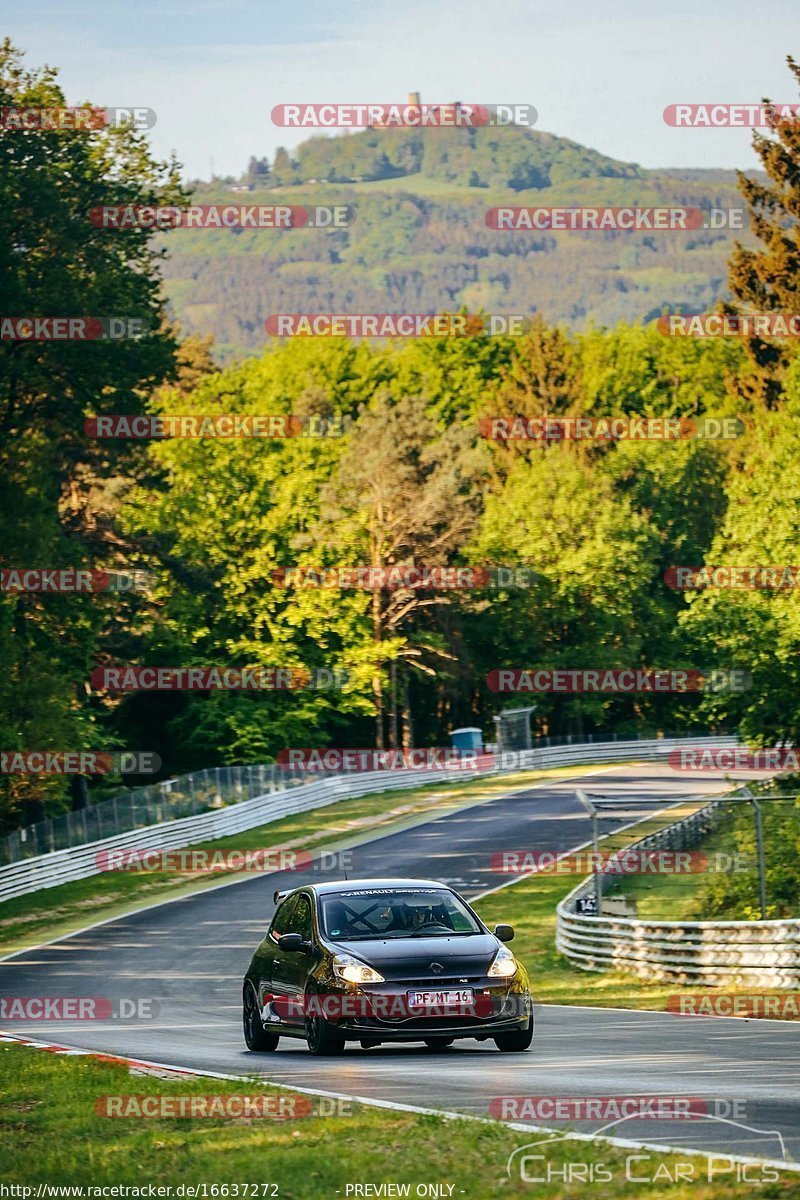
(504, 933)
(291, 943)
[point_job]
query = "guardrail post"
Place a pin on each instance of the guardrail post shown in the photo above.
(598, 882)
(762, 879)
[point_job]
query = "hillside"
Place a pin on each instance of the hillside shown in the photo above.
(419, 241)
(521, 159)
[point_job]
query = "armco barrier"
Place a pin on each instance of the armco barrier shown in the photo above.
(79, 862)
(762, 954)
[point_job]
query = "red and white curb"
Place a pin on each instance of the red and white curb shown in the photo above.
(134, 1065)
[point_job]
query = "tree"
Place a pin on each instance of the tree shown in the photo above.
(767, 279)
(257, 170)
(759, 630)
(213, 519)
(283, 169)
(541, 378)
(404, 493)
(592, 558)
(56, 263)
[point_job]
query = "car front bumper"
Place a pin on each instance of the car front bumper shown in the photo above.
(382, 1012)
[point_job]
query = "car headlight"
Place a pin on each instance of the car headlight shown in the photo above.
(504, 965)
(352, 971)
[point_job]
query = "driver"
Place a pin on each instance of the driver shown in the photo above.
(421, 914)
(399, 916)
(430, 914)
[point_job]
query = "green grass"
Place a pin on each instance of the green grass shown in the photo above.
(47, 914)
(676, 897)
(51, 1133)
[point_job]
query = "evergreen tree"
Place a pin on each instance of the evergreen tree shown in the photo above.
(767, 279)
(257, 170)
(283, 169)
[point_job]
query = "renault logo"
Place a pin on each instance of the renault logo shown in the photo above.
(437, 968)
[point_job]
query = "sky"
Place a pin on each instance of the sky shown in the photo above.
(599, 73)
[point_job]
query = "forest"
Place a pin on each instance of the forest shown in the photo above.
(572, 544)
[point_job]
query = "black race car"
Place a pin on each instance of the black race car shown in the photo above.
(383, 960)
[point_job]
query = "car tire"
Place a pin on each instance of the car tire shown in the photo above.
(514, 1042)
(322, 1037)
(438, 1043)
(255, 1035)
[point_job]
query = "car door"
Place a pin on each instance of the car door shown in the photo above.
(290, 971)
(267, 951)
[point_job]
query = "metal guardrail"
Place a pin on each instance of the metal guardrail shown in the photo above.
(764, 954)
(184, 796)
(279, 799)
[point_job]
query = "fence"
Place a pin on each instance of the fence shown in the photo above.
(202, 791)
(709, 953)
(231, 807)
(186, 796)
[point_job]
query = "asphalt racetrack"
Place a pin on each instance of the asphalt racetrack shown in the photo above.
(190, 954)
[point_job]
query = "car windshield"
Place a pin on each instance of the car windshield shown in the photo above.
(395, 913)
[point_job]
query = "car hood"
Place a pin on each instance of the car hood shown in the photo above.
(413, 958)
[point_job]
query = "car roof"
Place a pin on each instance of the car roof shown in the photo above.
(340, 886)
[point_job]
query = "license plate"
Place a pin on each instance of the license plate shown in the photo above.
(441, 999)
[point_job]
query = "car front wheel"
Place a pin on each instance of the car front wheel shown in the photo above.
(520, 1039)
(321, 1036)
(255, 1035)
